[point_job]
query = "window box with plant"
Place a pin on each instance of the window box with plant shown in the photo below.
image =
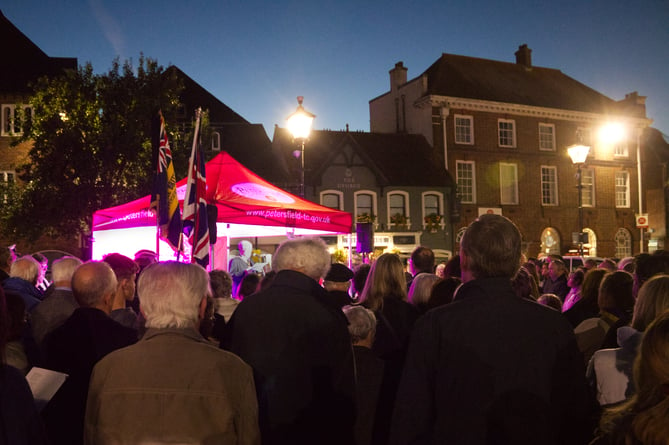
(399, 220)
(365, 218)
(433, 222)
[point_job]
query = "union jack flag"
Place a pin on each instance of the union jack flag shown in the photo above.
(164, 201)
(196, 225)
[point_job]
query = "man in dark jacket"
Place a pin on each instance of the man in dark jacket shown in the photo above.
(491, 367)
(78, 344)
(296, 340)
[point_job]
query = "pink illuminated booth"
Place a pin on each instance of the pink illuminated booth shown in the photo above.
(248, 207)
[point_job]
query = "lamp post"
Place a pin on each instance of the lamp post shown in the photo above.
(578, 154)
(299, 124)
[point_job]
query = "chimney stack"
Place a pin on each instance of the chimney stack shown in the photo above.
(398, 76)
(524, 56)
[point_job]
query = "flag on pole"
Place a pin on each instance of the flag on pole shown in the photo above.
(164, 200)
(196, 224)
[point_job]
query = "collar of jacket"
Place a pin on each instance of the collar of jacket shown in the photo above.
(485, 287)
(191, 333)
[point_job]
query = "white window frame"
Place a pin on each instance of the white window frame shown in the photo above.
(621, 150)
(622, 189)
(506, 133)
(374, 202)
(459, 139)
(458, 178)
(440, 203)
(8, 125)
(508, 168)
(588, 184)
(339, 193)
(623, 239)
(553, 186)
(546, 138)
(215, 141)
(407, 212)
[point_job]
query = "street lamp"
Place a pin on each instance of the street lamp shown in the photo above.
(578, 154)
(299, 124)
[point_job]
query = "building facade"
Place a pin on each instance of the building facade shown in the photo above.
(504, 129)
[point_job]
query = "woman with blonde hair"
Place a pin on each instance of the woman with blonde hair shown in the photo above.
(610, 370)
(642, 419)
(385, 294)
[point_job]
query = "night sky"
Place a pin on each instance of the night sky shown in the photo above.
(256, 57)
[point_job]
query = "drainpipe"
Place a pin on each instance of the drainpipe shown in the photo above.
(444, 114)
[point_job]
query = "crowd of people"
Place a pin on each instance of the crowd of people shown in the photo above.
(488, 347)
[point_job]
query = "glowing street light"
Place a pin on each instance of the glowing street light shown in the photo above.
(578, 154)
(299, 124)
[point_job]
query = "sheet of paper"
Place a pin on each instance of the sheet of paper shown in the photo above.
(44, 383)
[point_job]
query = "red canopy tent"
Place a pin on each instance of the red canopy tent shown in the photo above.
(247, 206)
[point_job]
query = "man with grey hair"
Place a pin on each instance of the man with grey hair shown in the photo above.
(23, 276)
(491, 367)
(59, 302)
(298, 344)
(78, 344)
(173, 386)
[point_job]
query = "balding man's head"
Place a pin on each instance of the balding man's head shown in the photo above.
(94, 284)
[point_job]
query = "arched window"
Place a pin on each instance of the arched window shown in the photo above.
(550, 241)
(590, 248)
(398, 209)
(365, 206)
(215, 141)
(460, 234)
(623, 240)
(333, 199)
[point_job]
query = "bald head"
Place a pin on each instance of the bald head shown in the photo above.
(94, 285)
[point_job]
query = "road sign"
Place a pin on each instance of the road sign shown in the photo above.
(642, 221)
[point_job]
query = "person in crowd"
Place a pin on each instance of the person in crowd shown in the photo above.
(440, 270)
(453, 267)
(610, 370)
(360, 275)
(338, 282)
(575, 282)
(297, 342)
(240, 264)
(648, 264)
(483, 369)
(17, 317)
(616, 304)
(524, 285)
(627, 264)
(385, 294)
(20, 422)
(249, 285)
(43, 282)
(369, 370)
(550, 300)
(421, 289)
(421, 261)
(126, 270)
(7, 257)
(443, 291)
(589, 264)
(172, 386)
(642, 419)
(224, 304)
(78, 344)
(608, 264)
(556, 281)
(23, 277)
(531, 267)
(587, 306)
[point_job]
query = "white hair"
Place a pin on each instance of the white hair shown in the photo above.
(63, 268)
(361, 322)
(27, 268)
(421, 288)
(170, 294)
(308, 255)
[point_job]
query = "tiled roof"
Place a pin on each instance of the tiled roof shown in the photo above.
(396, 159)
(490, 80)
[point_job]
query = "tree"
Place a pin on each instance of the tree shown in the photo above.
(91, 149)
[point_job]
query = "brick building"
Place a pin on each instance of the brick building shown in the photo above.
(504, 129)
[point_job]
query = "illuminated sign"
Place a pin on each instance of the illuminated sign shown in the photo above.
(261, 193)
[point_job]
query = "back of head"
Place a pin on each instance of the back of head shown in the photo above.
(591, 281)
(249, 284)
(422, 260)
(653, 300)
(27, 268)
(91, 282)
(608, 264)
(443, 291)
(453, 267)
(421, 288)
(491, 245)
(550, 300)
(170, 294)
(615, 292)
(646, 265)
(122, 266)
(524, 284)
(221, 283)
(361, 322)
(386, 279)
(63, 269)
(308, 255)
(360, 275)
